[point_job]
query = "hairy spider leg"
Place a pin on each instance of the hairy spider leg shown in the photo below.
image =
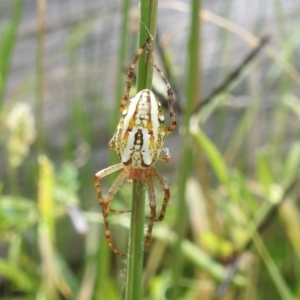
(130, 73)
(171, 101)
(152, 205)
(112, 192)
(163, 184)
(104, 202)
(101, 174)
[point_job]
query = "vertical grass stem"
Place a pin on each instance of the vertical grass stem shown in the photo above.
(41, 25)
(148, 19)
(186, 162)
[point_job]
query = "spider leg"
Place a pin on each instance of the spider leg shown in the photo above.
(116, 211)
(164, 155)
(111, 143)
(152, 205)
(166, 189)
(104, 202)
(131, 73)
(101, 174)
(171, 101)
(105, 210)
(112, 192)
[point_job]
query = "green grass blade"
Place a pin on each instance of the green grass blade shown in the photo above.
(21, 279)
(45, 195)
(136, 244)
(277, 278)
(186, 162)
(148, 18)
(122, 54)
(7, 42)
(213, 155)
(263, 170)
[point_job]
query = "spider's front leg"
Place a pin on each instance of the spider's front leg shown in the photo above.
(171, 101)
(104, 202)
(130, 73)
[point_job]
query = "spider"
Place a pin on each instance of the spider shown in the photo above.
(138, 141)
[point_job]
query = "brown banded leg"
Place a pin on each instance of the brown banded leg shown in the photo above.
(105, 210)
(117, 211)
(112, 192)
(104, 202)
(171, 101)
(101, 174)
(152, 204)
(130, 73)
(166, 189)
(108, 232)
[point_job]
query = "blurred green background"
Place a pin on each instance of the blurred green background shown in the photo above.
(62, 73)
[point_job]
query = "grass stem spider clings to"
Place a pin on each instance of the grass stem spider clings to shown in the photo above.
(138, 141)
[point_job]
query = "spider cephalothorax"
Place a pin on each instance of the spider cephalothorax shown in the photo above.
(139, 143)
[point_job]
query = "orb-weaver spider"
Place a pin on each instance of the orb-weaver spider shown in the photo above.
(138, 141)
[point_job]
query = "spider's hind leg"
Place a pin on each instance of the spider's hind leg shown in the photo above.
(104, 202)
(112, 192)
(163, 184)
(152, 204)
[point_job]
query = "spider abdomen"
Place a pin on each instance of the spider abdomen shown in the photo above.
(141, 131)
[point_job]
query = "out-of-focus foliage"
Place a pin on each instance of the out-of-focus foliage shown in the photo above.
(242, 231)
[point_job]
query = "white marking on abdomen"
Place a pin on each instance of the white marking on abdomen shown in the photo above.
(129, 147)
(147, 158)
(131, 110)
(154, 116)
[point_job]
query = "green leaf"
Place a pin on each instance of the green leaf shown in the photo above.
(17, 214)
(17, 276)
